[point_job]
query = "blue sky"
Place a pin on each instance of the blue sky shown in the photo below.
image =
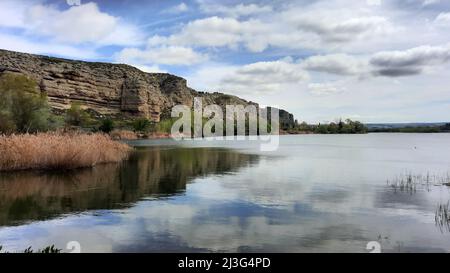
(373, 60)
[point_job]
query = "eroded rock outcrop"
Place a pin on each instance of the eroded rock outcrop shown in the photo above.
(108, 89)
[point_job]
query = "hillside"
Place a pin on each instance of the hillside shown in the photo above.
(112, 89)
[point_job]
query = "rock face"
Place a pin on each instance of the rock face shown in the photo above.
(109, 89)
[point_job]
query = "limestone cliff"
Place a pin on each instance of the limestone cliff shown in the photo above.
(110, 89)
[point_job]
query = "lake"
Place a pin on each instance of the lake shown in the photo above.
(316, 193)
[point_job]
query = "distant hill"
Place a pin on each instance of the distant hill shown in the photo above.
(419, 127)
(402, 125)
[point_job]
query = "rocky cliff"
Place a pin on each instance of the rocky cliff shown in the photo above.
(110, 89)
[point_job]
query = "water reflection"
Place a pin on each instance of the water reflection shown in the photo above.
(314, 194)
(154, 172)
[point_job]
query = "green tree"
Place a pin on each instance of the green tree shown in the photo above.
(23, 107)
(76, 115)
(333, 128)
(321, 129)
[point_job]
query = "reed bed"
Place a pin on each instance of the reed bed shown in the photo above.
(123, 135)
(410, 182)
(442, 217)
(58, 151)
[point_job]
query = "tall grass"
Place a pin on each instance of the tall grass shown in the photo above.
(58, 151)
(410, 182)
(442, 217)
(123, 135)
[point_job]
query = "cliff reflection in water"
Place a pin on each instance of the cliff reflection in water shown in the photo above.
(150, 172)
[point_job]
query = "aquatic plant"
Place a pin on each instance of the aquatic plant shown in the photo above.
(442, 217)
(406, 183)
(409, 182)
(58, 151)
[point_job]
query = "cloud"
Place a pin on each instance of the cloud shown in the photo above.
(373, 2)
(343, 31)
(12, 13)
(409, 62)
(339, 64)
(328, 88)
(266, 77)
(180, 8)
(149, 69)
(239, 10)
(331, 24)
(75, 25)
(430, 2)
(443, 19)
(80, 24)
(297, 28)
(18, 43)
(214, 32)
(170, 55)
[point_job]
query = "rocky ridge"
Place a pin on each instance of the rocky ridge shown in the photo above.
(112, 89)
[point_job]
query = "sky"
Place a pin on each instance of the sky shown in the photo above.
(369, 60)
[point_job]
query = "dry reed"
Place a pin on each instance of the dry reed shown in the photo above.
(58, 151)
(123, 135)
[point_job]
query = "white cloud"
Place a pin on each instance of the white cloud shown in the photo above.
(430, 2)
(235, 11)
(388, 63)
(443, 19)
(180, 8)
(289, 29)
(75, 25)
(409, 62)
(327, 88)
(80, 24)
(17, 43)
(373, 2)
(214, 32)
(12, 13)
(335, 30)
(149, 68)
(170, 55)
(340, 64)
(272, 77)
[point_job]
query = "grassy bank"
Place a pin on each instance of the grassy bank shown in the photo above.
(59, 151)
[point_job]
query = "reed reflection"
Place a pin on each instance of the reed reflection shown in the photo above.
(155, 172)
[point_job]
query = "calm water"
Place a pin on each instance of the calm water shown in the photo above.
(317, 193)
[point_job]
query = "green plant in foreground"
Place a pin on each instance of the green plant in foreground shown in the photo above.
(47, 250)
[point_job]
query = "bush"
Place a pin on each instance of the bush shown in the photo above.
(141, 125)
(23, 107)
(76, 116)
(7, 125)
(123, 135)
(107, 125)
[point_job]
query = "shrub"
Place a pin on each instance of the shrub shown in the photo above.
(58, 151)
(107, 125)
(141, 125)
(76, 116)
(23, 107)
(7, 125)
(123, 134)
